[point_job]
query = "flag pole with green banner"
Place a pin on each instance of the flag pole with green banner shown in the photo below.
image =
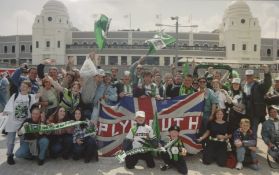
(101, 29)
(156, 127)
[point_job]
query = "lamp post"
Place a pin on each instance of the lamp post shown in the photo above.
(176, 34)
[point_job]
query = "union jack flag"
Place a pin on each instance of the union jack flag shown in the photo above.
(116, 121)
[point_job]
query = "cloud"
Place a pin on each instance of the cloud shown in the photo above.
(268, 15)
(143, 14)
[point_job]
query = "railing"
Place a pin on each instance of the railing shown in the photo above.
(113, 46)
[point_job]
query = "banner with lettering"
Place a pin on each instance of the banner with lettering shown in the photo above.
(116, 121)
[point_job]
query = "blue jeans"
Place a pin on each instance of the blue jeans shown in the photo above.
(10, 143)
(240, 154)
(24, 151)
(61, 144)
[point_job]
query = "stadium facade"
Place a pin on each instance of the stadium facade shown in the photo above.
(238, 37)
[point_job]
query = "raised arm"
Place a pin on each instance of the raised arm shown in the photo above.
(55, 84)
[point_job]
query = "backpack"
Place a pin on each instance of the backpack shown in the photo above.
(29, 97)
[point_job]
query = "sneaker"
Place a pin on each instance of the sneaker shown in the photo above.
(239, 166)
(10, 160)
(164, 167)
(41, 162)
(254, 166)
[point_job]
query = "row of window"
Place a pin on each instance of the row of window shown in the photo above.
(113, 60)
(58, 45)
(22, 49)
(145, 44)
(244, 47)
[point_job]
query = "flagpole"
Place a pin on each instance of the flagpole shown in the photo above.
(130, 16)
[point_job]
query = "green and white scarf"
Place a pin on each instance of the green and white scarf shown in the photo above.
(35, 128)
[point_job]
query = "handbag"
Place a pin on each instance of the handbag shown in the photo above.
(231, 160)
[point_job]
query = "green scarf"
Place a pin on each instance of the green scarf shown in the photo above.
(35, 128)
(184, 91)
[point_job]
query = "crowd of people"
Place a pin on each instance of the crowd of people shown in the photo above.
(233, 108)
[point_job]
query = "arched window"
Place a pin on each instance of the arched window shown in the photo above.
(205, 45)
(13, 49)
(215, 46)
(22, 48)
(268, 52)
(5, 49)
(48, 44)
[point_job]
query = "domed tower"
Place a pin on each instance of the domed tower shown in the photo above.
(51, 32)
(240, 33)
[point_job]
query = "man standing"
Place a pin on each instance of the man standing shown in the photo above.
(255, 92)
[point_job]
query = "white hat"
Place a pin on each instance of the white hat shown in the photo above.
(140, 114)
(249, 72)
(127, 73)
(236, 80)
(101, 72)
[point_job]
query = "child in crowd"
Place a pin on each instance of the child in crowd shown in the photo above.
(17, 109)
(175, 152)
(33, 144)
(245, 142)
(85, 146)
(136, 138)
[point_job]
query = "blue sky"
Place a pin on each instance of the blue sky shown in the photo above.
(205, 13)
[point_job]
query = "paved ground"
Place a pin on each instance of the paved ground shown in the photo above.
(110, 166)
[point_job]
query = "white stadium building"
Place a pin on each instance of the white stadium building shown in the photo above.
(237, 39)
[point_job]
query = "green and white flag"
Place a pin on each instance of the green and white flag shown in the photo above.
(101, 29)
(159, 41)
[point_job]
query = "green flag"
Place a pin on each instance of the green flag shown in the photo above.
(156, 127)
(159, 41)
(185, 68)
(101, 29)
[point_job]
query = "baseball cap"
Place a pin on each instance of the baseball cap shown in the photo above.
(101, 72)
(236, 80)
(174, 128)
(249, 72)
(140, 114)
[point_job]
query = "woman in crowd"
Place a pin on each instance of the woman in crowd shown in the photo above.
(60, 140)
(235, 100)
(84, 146)
(217, 134)
(70, 98)
(49, 98)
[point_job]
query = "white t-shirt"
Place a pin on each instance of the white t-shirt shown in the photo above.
(145, 132)
(18, 110)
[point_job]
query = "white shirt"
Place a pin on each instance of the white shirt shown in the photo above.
(145, 132)
(221, 99)
(18, 110)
